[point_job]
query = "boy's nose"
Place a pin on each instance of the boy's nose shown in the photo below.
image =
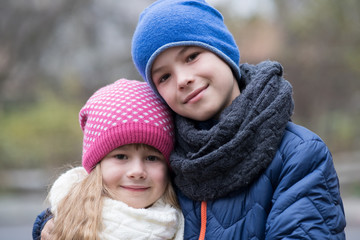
(184, 82)
(184, 79)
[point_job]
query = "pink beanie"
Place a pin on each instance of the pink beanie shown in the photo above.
(124, 112)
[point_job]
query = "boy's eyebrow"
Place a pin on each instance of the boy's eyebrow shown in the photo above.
(181, 52)
(156, 70)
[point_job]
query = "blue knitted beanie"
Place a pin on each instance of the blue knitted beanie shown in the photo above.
(171, 23)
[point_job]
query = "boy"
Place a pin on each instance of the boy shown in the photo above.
(243, 169)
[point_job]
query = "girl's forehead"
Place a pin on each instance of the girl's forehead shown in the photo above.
(137, 146)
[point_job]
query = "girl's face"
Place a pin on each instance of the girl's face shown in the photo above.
(135, 174)
(194, 82)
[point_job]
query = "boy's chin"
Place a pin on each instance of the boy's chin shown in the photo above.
(202, 116)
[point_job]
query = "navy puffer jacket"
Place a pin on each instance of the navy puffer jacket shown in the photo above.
(297, 197)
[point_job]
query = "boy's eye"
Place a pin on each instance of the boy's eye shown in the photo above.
(192, 56)
(164, 77)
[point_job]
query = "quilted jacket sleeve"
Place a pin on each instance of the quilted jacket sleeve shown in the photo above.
(306, 202)
(40, 222)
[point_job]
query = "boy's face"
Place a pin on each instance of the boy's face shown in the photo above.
(136, 175)
(194, 82)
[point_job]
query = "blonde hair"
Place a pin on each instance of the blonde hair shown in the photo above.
(79, 213)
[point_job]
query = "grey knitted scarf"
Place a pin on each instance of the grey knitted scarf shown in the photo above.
(209, 164)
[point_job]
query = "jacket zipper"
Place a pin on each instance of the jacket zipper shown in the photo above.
(203, 221)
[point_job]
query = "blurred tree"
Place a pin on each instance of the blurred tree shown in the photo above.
(322, 55)
(44, 42)
(323, 40)
(25, 29)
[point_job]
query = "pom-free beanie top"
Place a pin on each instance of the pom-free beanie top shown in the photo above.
(171, 23)
(125, 112)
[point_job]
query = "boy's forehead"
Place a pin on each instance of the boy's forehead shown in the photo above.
(162, 58)
(176, 52)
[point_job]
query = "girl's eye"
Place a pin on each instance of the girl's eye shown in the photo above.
(120, 156)
(192, 56)
(152, 158)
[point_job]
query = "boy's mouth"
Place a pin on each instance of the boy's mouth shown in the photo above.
(194, 95)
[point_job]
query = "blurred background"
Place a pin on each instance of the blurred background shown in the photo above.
(55, 54)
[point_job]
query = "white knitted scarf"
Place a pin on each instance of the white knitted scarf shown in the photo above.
(160, 221)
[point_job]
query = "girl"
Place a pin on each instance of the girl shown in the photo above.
(123, 190)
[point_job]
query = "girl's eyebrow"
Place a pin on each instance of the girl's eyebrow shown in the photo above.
(179, 54)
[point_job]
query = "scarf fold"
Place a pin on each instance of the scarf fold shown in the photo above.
(160, 221)
(209, 164)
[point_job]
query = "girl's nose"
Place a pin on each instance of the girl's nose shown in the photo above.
(137, 170)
